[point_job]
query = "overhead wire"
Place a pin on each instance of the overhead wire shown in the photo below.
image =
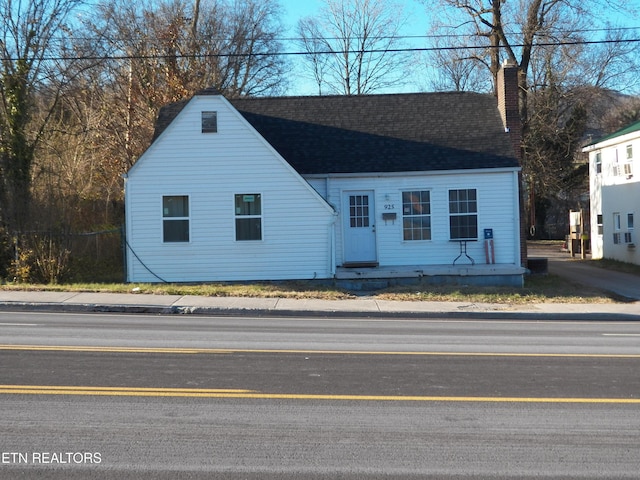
(324, 52)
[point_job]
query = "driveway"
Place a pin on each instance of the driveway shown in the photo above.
(585, 273)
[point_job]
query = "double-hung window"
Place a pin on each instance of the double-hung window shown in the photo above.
(248, 216)
(628, 236)
(600, 223)
(598, 162)
(617, 227)
(416, 215)
(463, 214)
(175, 218)
(628, 165)
(617, 169)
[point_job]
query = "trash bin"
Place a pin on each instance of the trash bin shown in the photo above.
(538, 265)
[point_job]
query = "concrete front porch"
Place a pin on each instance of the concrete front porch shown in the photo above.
(375, 278)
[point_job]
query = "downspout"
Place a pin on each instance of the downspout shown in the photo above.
(125, 230)
(332, 245)
(332, 231)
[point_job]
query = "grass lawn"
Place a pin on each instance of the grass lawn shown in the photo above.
(537, 289)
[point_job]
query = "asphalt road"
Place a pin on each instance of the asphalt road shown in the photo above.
(124, 397)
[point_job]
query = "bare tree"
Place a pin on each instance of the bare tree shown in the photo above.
(177, 46)
(31, 38)
(558, 70)
(520, 30)
(455, 69)
(160, 52)
(352, 45)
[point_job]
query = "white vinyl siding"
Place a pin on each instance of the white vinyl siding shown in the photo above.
(497, 209)
(211, 170)
(615, 193)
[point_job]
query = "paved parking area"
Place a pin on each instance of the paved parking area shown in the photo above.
(584, 272)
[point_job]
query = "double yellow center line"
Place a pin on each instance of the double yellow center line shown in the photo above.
(119, 391)
(219, 351)
(252, 394)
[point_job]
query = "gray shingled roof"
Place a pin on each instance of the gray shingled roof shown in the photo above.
(377, 133)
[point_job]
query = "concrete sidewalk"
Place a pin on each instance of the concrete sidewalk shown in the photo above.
(363, 307)
(560, 263)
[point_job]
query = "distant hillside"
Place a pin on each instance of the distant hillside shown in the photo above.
(609, 111)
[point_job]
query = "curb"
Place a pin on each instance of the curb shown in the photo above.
(238, 312)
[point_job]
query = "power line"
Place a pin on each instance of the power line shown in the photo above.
(326, 52)
(386, 37)
(463, 35)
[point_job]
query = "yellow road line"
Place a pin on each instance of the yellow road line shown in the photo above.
(117, 391)
(217, 351)
(251, 394)
(81, 348)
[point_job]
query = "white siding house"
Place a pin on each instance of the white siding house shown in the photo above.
(326, 187)
(614, 184)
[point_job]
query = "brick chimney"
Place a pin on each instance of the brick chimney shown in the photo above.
(509, 103)
(509, 106)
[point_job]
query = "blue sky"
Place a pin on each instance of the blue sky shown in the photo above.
(297, 9)
(294, 10)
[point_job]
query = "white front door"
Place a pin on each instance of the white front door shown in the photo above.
(359, 228)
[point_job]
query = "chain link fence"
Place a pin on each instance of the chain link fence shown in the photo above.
(68, 257)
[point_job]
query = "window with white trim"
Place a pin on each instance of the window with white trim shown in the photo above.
(599, 224)
(617, 170)
(416, 215)
(628, 236)
(248, 216)
(627, 168)
(463, 214)
(598, 162)
(617, 227)
(209, 122)
(175, 218)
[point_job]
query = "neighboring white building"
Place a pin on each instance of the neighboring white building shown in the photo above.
(614, 184)
(304, 187)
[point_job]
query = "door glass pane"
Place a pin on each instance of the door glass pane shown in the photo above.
(359, 211)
